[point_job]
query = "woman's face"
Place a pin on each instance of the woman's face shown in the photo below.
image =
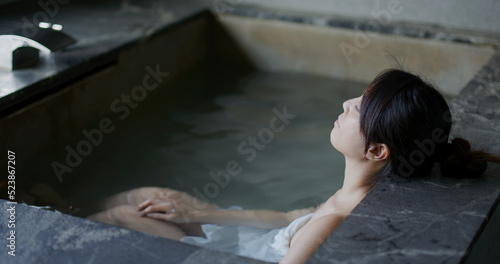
(346, 136)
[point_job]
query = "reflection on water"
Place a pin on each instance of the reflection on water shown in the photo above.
(226, 138)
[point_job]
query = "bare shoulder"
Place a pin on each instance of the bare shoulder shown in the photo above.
(325, 219)
(321, 224)
(342, 205)
(310, 237)
(332, 208)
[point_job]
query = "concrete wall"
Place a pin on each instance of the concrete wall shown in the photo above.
(481, 15)
(282, 46)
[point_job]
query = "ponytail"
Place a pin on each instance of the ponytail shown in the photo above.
(459, 161)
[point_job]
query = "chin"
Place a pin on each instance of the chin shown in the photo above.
(332, 139)
(333, 144)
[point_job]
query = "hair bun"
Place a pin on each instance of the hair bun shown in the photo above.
(461, 162)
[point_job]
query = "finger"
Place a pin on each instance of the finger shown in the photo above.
(147, 203)
(144, 204)
(164, 217)
(150, 209)
(156, 216)
(162, 208)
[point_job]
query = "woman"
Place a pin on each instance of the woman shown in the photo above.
(399, 126)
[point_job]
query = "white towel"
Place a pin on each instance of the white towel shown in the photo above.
(263, 244)
(284, 236)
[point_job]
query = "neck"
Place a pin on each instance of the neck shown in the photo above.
(358, 176)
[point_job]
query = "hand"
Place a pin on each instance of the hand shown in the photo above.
(172, 211)
(175, 206)
(178, 197)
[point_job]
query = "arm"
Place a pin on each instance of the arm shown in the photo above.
(312, 238)
(182, 213)
(266, 219)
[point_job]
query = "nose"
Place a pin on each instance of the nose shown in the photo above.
(345, 105)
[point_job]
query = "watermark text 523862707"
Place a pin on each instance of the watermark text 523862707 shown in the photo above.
(11, 205)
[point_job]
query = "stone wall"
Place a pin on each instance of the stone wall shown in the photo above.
(481, 15)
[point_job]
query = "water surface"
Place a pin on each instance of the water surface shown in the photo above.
(189, 128)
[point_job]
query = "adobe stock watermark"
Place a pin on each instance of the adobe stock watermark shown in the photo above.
(224, 6)
(121, 106)
(417, 157)
(249, 150)
(49, 9)
(425, 148)
(362, 39)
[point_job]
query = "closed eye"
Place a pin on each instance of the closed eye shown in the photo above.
(356, 107)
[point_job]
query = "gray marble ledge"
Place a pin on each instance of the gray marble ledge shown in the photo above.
(413, 221)
(49, 237)
(101, 33)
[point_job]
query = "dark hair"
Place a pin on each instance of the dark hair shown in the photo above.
(413, 119)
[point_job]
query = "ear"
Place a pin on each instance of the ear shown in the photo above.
(378, 152)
